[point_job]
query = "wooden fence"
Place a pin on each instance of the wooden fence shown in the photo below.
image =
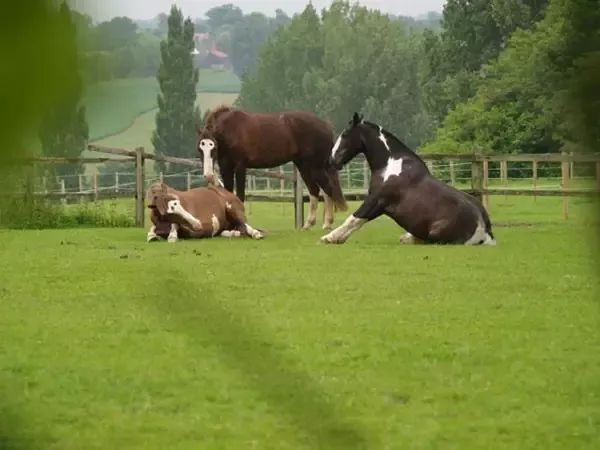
(478, 177)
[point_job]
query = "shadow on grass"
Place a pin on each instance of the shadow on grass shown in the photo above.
(14, 432)
(247, 348)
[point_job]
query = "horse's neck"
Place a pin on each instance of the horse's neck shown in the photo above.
(376, 152)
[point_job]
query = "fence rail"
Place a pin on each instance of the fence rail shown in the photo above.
(478, 174)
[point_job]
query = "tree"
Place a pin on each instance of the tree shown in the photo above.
(175, 132)
(64, 129)
(531, 99)
(474, 32)
(350, 59)
(223, 15)
(247, 38)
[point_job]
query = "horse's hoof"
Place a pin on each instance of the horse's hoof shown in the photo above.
(152, 238)
(328, 239)
(172, 239)
(308, 226)
(327, 226)
(257, 235)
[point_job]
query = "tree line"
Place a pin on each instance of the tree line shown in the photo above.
(498, 75)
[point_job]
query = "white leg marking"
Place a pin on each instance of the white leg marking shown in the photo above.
(336, 146)
(231, 233)
(173, 233)
(480, 236)
(216, 226)
(407, 238)
(394, 167)
(175, 207)
(343, 232)
(254, 233)
(328, 213)
(312, 212)
(152, 236)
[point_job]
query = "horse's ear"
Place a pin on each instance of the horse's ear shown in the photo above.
(356, 119)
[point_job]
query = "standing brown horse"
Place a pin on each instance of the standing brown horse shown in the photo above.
(238, 140)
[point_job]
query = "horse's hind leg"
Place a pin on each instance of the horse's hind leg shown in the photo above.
(234, 210)
(328, 209)
(313, 190)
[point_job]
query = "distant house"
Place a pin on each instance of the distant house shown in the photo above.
(216, 59)
(208, 55)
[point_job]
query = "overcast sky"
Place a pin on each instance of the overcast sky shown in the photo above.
(146, 9)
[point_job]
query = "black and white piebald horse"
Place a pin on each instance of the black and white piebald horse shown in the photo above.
(402, 188)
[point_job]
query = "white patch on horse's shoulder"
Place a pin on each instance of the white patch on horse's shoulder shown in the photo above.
(336, 146)
(394, 167)
(228, 205)
(383, 139)
(215, 224)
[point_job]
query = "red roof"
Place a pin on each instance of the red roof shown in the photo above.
(202, 36)
(218, 53)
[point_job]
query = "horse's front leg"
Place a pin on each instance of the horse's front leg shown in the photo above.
(227, 174)
(152, 236)
(173, 235)
(240, 183)
(369, 210)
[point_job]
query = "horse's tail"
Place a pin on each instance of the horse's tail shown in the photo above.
(336, 190)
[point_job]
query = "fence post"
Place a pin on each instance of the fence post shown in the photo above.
(117, 182)
(565, 167)
(535, 177)
(485, 183)
(96, 187)
(63, 191)
(45, 183)
(452, 174)
(298, 200)
(282, 181)
(80, 176)
(477, 177)
(161, 177)
(365, 174)
(189, 181)
(348, 177)
(504, 172)
(139, 186)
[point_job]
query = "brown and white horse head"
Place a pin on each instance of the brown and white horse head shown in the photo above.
(158, 197)
(348, 144)
(207, 147)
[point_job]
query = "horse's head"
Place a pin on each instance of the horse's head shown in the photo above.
(349, 143)
(207, 146)
(159, 196)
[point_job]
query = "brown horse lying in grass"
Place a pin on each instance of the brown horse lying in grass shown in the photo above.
(198, 213)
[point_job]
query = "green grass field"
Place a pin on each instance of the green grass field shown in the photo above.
(109, 342)
(139, 134)
(113, 106)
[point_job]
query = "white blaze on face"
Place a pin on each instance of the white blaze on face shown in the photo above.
(207, 146)
(383, 139)
(394, 167)
(175, 207)
(336, 146)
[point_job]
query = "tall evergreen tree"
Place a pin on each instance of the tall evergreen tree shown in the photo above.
(175, 133)
(64, 129)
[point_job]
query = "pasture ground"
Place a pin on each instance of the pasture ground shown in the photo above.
(109, 342)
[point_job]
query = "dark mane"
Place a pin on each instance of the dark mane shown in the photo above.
(213, 115)
(399, 147)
